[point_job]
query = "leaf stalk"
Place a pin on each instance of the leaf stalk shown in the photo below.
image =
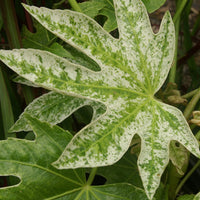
(91, 176)
(176, 19)
(187, 177)
(191, 105)
(190, 94)
(75, 5)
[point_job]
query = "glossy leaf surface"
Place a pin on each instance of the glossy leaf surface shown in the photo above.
(133, 68)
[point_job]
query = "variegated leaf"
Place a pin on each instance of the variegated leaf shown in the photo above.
(133, 68)
(54, 108)
(197, 197)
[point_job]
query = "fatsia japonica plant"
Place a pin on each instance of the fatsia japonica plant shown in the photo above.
(131, 69)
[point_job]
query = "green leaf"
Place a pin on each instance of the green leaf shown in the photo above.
(40, 39)
(124, 171)
(153, 5)
(54, 108)
(187, 197)
(133, 68)
(112, 192)
(94, 8)
(44, 40)
(31, 162)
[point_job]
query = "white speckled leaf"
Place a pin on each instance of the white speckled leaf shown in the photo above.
(133, 68)
(54, 108)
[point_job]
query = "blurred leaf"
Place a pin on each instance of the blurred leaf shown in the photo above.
(1, 20)
(93, 8)
(24, 81)
(6, 107)
(187, 197)
(197, 197)
(42, 39)
(153, 5)
(45, 40)
(179, 156)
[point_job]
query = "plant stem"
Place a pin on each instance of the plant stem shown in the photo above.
(75, 5)
(179, 11)
(191, 105)
(6, 107)
(56, 5)
(28, 94)
(193, 50)
(190, 94)
(92, 175)
(13, 35)
(172, 75)
(10, 22)
(196, 26)
(180, 5)
(173, 180)
(187, 177)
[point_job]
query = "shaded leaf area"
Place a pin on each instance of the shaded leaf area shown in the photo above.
(133, 68)
(54, 108)
(93, 8)
(179, 156)
(31, 162)
(124, 171)
(45, 40)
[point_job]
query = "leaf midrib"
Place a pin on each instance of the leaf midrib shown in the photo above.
(92, 86)
(41, 168)
(142, 57)
(109, 194)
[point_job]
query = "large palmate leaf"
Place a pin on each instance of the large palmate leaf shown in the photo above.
(133, 68)
(31, 162)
